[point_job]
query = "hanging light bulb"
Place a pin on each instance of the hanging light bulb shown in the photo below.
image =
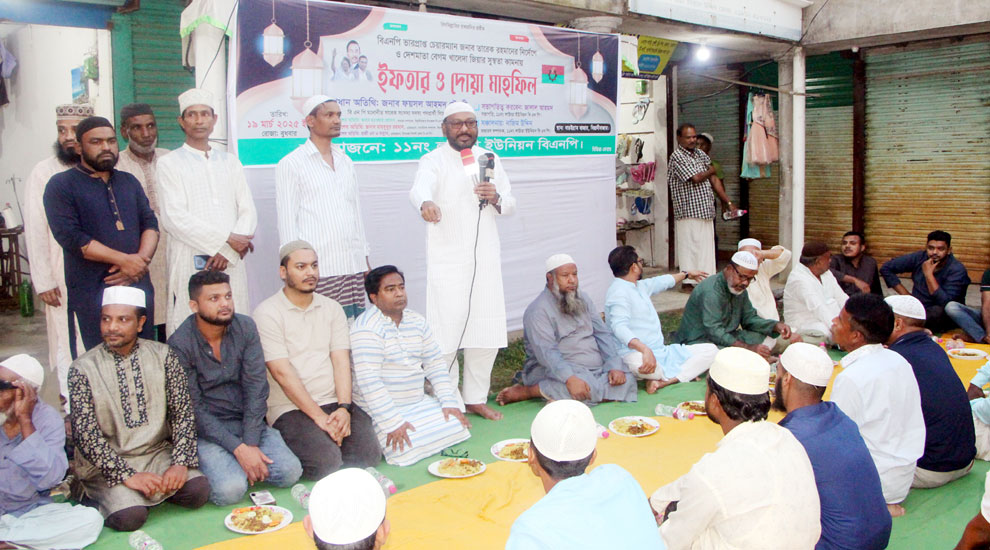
(307, 69)
(597, 62)
(274, 41)
(702, 53)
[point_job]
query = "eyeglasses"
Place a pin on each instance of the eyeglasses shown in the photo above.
(745, 278)
(455, 124)
(641, 262)
(454, 453)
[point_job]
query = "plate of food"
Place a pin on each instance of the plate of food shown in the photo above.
(255, 520)
(456, 468)
(511, 450)
(773, 380)
(634, 426)
(969, 354)
(696, 407)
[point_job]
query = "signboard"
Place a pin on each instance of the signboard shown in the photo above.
(652, 56)
(777, 18)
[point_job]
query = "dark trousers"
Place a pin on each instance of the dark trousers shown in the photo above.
(937, 321)
(320, 455)
(192, 495)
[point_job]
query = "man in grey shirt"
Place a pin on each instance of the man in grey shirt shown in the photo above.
(854, 269)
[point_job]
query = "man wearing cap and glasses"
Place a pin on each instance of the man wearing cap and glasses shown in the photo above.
(317, 199)
(854, 514)
(950, 439)
(106, 227)
(719, 311)
(772, 263)
(757, 490)
(878, 391)
(207, 209)
(604, 508)
(32, 443)
(465, 305)
(347, 512)
(812, 296)
(132, 419)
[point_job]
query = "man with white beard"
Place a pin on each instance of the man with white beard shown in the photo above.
(570, 352)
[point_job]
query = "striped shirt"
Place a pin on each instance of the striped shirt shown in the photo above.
(691, 200)
(320, 205)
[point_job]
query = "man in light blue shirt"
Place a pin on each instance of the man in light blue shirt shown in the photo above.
(981, 411)
(602, 509)
(630, 314)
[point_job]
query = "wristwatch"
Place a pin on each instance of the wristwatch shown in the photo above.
(498, 200)
(346, 406)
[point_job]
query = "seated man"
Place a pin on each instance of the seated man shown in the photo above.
(220, 352)
(719, 311)
(394, 352)
(950, 441)
(602, 509)
(977, 533)
(771, 262)
(854, 514)
(347, 511)
(308, 352)
(136, 449)
(812, 297)
(570, 352)
(32, 444)
(980, 405)
(879, 392)
(975, 322)
(631, 315)
(854, 269)
(757, 489)
(938, 278)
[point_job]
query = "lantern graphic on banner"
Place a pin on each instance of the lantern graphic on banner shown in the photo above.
(597, 62)
(273, 42)
(307, 69)
(577, 88)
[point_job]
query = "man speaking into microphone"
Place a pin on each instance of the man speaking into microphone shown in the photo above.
(465, 306)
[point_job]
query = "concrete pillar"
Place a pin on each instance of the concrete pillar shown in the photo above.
(206, 40)
(797, 174)
(661, 213)
(598, 23)
(784, 130)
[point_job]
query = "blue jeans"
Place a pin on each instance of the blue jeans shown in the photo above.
(229, 483)
(968, 318)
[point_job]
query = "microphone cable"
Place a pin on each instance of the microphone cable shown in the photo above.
(474, 274)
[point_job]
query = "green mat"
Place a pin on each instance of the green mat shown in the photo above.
(935, 518)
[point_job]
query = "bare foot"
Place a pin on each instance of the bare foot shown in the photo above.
(652, 386)
(484, 411)
(896, 510)
(517, 392)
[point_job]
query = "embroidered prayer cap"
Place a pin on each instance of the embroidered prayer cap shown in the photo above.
(26, 367)
(458, 107)
(76, 111)
(707, 136)
(90, 123)
(749, 242)
(808, 363)
(135, 109)
(124, 295)
(746, 259)
(740, 370)
(565, 430)
(196, 96)
(347, 506)
(312, 103)
(906, 306)
(557, 260)
(290, 247)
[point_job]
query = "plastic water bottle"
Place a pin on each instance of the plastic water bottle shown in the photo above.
(388, 487)
(139, 540)
(25, 298)
(673, 412)
(301, 494)
(602, 431)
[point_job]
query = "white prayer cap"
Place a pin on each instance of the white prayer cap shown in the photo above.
(315, 102)
(745, 259)
(124, 295)
(196, 96)
(708, 136)
(749, 242)
(458, 107)
(906, 305)
(26, 367)
(740, 370)
(808, 363)
(565, 430)
(557, 260)
(347, 506)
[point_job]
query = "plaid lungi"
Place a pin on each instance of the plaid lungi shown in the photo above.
(346, 290)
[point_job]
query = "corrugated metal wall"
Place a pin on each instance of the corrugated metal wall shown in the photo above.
(928, 149)
(147, 64)
(719, 116)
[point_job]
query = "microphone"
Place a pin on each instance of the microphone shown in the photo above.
(467, 160)
(486, 172)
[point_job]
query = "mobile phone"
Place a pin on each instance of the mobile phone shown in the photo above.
(200, 261)
(261, 498)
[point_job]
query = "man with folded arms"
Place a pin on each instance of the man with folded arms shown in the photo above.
(347, 512)
(308, 352)
(854, 269)
(854, 514)
(878, 391)
(772, 263)
(630, 313)
(601, 509)
(570, 352)
(757, 490)
(812, 297)
(950, 440)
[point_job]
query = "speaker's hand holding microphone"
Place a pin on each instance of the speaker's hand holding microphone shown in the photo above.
(485, 189)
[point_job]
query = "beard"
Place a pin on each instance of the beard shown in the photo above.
(735, 292)
(778, 397)
(100, 164)
(215, 320)
(298, 286)
(569, 302)
(65, 156)
(141, 149)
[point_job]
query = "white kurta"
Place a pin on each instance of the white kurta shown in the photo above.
(760, 292)
(145, 172)
(441, 178)
(203, 200)
(47, 268)
(811, 303)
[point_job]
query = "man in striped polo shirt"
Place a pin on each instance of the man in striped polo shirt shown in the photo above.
(317, 200)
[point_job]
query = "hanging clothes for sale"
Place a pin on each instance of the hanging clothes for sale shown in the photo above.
(763, 132)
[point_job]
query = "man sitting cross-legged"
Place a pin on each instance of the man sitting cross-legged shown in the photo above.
(570, 352)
